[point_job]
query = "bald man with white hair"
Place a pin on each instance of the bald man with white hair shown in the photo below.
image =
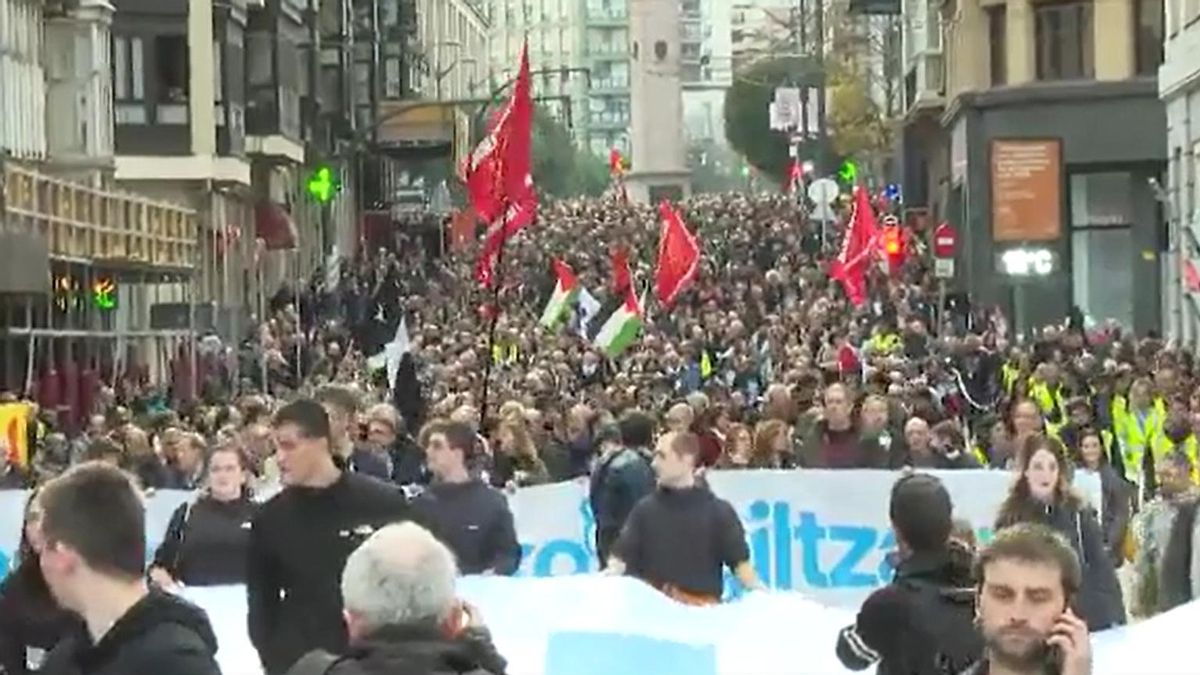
(403, 614)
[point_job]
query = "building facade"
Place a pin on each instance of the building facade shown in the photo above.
(1179, 87)
(706, 50)
(85, 261)
(606, 45)
(758, 27)
(555, 30)
(1046, 155)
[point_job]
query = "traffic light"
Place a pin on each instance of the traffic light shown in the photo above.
(892, 240)
(848, 172)
(323, 183)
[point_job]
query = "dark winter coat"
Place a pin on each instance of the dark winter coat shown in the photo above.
(419, 651)
(160, 634)
(30, 621)
(884, 631)
(207, 542)
(1100, 602)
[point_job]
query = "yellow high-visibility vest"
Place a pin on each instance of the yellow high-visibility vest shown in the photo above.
(1009, 375)
(1163, 446)
(1134, 434)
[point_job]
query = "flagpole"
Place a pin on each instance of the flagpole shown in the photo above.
(494, 319)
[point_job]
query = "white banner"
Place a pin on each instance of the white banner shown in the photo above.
(589, 625)
(821, 532)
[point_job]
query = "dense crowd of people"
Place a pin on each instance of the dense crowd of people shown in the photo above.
(762, 364)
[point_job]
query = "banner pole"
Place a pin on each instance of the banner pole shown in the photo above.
(494, 319)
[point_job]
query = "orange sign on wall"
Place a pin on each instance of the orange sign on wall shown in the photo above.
(14, 425)
(1026, 190)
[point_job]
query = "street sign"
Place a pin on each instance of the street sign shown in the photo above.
(823, 213)
(945, 241)
(823, 191)
(943, 268)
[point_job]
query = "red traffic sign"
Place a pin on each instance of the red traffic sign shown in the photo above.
(945, 240)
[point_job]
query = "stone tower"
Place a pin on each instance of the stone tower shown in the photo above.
(659, 160)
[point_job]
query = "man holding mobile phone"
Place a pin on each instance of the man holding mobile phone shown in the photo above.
(1028, 576)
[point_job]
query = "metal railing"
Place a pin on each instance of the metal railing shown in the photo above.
(80, 222)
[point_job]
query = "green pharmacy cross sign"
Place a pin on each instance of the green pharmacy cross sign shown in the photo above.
(848, 172)
(104, 294)
(322, 184)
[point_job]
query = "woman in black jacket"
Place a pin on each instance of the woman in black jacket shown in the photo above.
(1116, 492)
(31, 623)
(207, 541)
(1043, 494)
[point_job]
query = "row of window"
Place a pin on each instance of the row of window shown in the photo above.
(1064, 48)
(20, 30)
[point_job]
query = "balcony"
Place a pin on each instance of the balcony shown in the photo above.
(612, 18)
(609, 121)
(83, 223)
(609, 87)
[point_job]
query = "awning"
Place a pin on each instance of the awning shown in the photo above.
(275, 226)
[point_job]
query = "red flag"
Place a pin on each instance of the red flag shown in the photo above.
(498, 175)
(678, 257)
(795, 175)
(497, 168)
(520, 213)
(850, 267)
(622, 277)
(616, 163)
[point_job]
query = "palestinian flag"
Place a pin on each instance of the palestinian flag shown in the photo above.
(566, 290)
(622, 327)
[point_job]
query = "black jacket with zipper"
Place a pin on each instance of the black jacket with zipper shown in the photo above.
(206, 542)
(160, 634)
(299, 543)
(30, 621)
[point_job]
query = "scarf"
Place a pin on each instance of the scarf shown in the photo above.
(1176, 580)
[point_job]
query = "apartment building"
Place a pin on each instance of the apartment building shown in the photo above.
(1179, 88)
(84, 260)
(606, 46)
(759, 27)
(555, 30)
(706, 51)
(1044, 153)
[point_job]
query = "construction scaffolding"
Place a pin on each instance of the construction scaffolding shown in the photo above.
(118, 263)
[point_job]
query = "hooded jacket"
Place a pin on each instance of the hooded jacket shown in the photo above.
(158, 635)
(883, 631)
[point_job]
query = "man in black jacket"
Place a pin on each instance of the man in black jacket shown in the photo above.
(623, 475)
(403, 615)
(920, 624)
(93, 524)
(300, 539)
(468, 515)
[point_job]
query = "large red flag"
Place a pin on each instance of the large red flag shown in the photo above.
(520, 213)
(858, 249)
(498, 173)
(678, 257)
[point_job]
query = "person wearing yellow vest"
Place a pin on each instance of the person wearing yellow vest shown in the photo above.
(1046, 389)
(1137, 420)
(1178, 436)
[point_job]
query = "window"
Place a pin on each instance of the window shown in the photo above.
(129, 80)
(1102, 219)
(1148, 35)
(997, 44)
(171, 68)
(1063, 35)
(129, 76)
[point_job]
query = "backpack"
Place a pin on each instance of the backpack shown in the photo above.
(946, 640)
